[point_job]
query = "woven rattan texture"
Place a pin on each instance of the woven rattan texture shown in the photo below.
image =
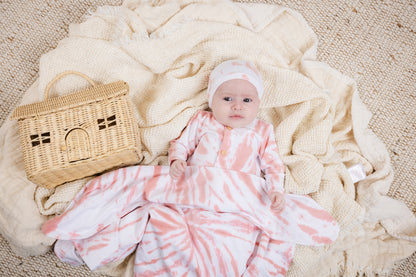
(373, 42)
(77, 135)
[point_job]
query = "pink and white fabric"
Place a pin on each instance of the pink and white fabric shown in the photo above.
(215, 220)
(252, 150)
(234, 69)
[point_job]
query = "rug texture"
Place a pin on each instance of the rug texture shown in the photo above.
(372, 43)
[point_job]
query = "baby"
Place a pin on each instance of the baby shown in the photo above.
(219, 209)
(231, 137)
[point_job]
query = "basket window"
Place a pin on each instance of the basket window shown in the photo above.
(106, 122)
(39, 139)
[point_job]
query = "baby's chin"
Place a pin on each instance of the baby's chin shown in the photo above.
(236, 123)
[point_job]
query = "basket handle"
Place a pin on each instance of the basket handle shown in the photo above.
(59, 76)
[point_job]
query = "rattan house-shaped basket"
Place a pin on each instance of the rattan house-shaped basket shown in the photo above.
(77, 135)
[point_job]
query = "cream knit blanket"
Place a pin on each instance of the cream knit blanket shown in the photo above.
(165, 51)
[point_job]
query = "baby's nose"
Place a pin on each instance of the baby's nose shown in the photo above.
(237, 105)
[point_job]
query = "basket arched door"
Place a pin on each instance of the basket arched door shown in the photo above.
(78, 145)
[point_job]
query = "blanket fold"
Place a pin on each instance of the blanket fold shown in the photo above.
(165, 52)
(207, 211)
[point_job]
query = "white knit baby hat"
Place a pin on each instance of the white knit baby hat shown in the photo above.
(234, 69)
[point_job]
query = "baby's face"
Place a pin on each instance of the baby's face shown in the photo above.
(235, 103)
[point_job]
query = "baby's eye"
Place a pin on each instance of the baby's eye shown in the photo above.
(247, 100)
(227, 98)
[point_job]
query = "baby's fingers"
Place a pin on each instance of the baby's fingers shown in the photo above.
(278, 206)
(182, 166)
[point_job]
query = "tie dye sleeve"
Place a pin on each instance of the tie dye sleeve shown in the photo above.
(185, 144)
(271, 163)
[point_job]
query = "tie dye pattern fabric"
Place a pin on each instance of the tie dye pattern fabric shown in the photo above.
(216, 220)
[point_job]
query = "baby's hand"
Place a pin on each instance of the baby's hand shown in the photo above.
(278, 201)
(177, 168)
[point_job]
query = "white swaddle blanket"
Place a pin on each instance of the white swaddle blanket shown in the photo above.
(211, 222)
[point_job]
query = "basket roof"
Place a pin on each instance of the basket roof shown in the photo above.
(94, 94)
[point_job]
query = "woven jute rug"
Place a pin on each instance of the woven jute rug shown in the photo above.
(373, 42)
